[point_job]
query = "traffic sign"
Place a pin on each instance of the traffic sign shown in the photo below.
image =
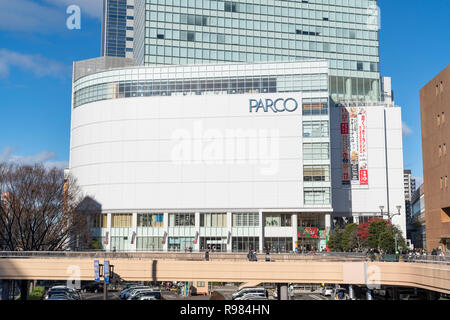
(96, 271)
(106, 271)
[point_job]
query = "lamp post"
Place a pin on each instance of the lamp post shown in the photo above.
(389, 215)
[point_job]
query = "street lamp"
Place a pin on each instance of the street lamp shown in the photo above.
(389, 215)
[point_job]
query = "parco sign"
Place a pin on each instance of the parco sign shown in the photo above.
(277, 105)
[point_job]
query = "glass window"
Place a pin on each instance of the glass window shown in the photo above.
(154, 220)
(121, 220)
(315, 129)
(316, 151)
(244, 244)
(277, 220)
(213, 243)
(316, 196)
(181, 219)
(277, 245)
(245, 219)
(180, 243)
(149, 244)
(100, 221)
(316, 173)
(213, 220)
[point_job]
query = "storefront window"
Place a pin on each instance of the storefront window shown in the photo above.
(154, 220)
(100, 221)
(149, 244)
(244, 244)
(181, 219)
(213, 220)
(278, 220)
(213, 244)
(180, 243)
(274, 244)
(121, 220)
(316, 173)
(245, 219)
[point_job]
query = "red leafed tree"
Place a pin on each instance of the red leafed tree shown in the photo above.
(363, 232)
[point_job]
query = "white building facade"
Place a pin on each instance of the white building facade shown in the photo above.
(230, 157)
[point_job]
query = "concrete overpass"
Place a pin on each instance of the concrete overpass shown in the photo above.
(353, 270)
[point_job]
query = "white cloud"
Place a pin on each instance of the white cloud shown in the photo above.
(36, 64)
(406, 130)
(46, 158)
(48, 16)
(26, 15)
(92, 8)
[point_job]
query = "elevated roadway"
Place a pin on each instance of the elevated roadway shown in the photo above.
(289, 268)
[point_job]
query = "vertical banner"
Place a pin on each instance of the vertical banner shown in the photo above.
(96, 271)
(362, 132)
(345, 147)
(106, 271)
(354, 146)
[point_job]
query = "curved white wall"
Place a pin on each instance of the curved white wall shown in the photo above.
(126, 153)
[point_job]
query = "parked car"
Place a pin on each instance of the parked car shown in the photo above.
(252, 297)
(137, 291)
(63, 290)
(340, 294)
(140, 294)
(93, 287)
(124, 294)
(147, 298)
(252, 290)
(327, 291)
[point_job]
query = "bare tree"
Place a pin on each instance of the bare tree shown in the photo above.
(40, 209)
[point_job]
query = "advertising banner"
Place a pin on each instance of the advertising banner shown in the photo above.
(308, 232)
(345, 147)
(354, 146)
(362, 133)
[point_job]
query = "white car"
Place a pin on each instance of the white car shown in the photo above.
(138, 291)
(125, 294)
(252, 297)
(327, 291)
(244, 291)
(147, 298)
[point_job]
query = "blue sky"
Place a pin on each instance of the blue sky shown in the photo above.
(37, 50)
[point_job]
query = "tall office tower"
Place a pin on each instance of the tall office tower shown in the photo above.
(118, 28)
(434, 113)
(410, 186)
(344, 32)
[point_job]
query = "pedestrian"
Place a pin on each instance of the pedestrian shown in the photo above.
(207, 255)
(255, 258)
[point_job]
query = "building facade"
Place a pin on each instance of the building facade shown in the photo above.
(410, 187)
(203, 32)
(118, 28)
(229, 156)
(416, 227)
(434, 111)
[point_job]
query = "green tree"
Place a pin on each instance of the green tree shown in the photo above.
(382, 237)
(376, 229)
(335, 240)
(386, 241)
(350, 239)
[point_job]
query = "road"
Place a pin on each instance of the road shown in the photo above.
(114, 295)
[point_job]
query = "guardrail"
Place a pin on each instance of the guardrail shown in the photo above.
(200, 256)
